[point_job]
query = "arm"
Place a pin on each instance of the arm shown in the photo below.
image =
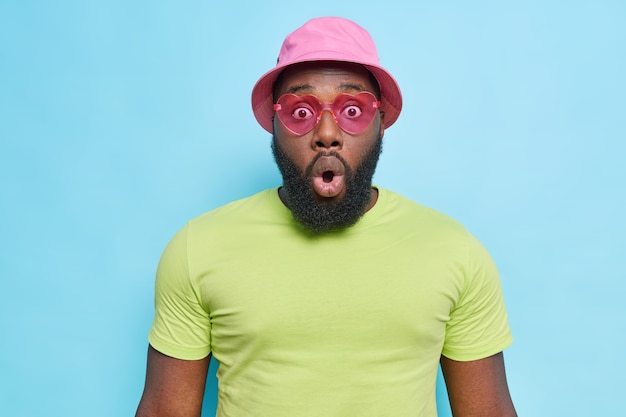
(174, 387)
(478, 388)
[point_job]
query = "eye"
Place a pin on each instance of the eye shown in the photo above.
(352, 111)
(301, 113)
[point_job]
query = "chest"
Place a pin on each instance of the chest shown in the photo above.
(383, 296)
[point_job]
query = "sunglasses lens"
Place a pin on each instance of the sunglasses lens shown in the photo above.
(300, 114)
(354, 112)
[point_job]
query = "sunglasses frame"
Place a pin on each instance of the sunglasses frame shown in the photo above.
(288, 103)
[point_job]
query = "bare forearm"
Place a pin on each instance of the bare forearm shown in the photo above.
(478, 388)
(174, 387)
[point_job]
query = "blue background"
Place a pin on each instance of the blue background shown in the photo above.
(120, 120)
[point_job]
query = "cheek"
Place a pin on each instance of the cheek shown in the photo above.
(295, 148)
(357, 147)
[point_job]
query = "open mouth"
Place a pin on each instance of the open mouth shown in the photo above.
(328, 176)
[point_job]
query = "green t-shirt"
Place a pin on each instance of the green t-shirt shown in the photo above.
(351, 323)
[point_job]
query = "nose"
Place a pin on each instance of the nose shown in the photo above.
(327, 134)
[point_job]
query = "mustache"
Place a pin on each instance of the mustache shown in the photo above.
(309, 169)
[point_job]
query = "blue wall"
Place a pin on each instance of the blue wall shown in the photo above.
(120, 120)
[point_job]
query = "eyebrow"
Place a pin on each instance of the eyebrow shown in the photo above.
(351, 87)
(296, 88)
(343, 87)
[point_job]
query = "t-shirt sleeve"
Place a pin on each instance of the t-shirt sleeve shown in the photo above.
(478, 325)
(181, 326)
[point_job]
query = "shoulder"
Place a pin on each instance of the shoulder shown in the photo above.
(238, 224)
(397, 209)
(239, 212)
(403, 219)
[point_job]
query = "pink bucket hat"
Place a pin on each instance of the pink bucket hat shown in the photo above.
(327, 39)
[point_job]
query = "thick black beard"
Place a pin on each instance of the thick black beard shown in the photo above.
(321, 217)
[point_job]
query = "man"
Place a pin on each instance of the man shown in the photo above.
(327, 296)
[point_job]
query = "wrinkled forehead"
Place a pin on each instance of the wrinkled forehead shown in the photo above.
(307, 77)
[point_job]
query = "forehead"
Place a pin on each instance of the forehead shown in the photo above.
(321, 77)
